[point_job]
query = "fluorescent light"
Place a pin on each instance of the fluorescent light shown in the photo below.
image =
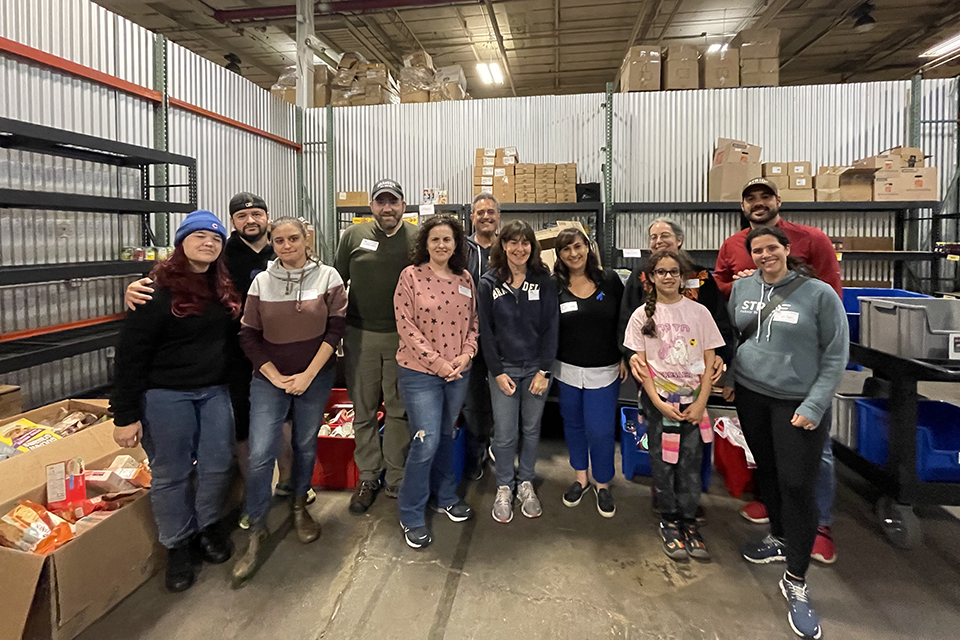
(942, 49)
(724, 47)
(496, 73)
(484, 72)
(714, 48)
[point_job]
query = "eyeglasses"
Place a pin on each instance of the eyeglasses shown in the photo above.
(673, 273)
(256, 215)
(666, 235)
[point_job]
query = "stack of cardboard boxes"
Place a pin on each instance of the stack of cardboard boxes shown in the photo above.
(681, 69)
(898, 174)
(794, 180)
(721, 69)
(449, 84)
(358, 82)
(286, 85)
(567, 182)
(640, 70)
(494, 173)
(526, 182)
(734, 164)
(759, 57)
(416, 77)
(546, 176)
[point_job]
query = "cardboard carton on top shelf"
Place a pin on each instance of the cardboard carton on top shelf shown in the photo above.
(882, 161)
(721, 69)
(486, 152)
(452, 73)
(677, 52)
(353, 199)
(505, 161)
(418, 59)
(827, 181)
(641, 70)
(782, 182)
(757, 43)
(416, 96)
(484, 171)
(725, 181)
(856, 184)
(798, 195)
(11, 400)
(681, 74)
(487, 161)
(909, 156)
(730, 151)
(759, 72)
(771, 169)
(799, 169)
(800, 182)
(503, 171)
(918, 183)
(828, 195)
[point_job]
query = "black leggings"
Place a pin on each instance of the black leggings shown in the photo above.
(788, 465)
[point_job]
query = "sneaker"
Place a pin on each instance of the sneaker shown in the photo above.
(244, 522)
(767, 549)
(529, 502)
(673, 544)
(417, 537)
(503, 505)
(493, 458)
(459, 512)
(803, 619)
(701, 516)
(823, 549)
(283, 489)
(574, 494)
(696, 547)
(392, 491)
(605, 504)
(755, 512)
(364, 496)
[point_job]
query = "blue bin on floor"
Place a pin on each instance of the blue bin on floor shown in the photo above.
(938, 437)
(636, 460)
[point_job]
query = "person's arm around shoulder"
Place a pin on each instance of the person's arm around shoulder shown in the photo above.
(468, 349)
(549, 333)
(723, 273)
(823, 259)
(632, 298)
(137, 293)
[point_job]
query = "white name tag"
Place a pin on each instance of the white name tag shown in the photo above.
(310, 294)
(633, 253)
(533, 295)
(697, 368)
(568, 307)
(369, 245)
(692, 284)
(790, 317)
(465, 291)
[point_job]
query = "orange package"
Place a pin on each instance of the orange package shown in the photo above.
(31, 528)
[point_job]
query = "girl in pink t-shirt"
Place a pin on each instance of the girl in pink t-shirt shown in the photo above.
(676, 337)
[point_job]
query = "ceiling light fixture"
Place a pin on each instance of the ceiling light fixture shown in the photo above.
(942, 49)
(484, 72)
(714, 48)
(863, 18)
(496, 73)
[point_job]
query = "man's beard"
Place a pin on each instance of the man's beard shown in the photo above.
(254, 237)
(767, 213)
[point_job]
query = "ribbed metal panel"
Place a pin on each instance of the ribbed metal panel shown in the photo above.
(55, 303)
(315, 181)
(62, 379)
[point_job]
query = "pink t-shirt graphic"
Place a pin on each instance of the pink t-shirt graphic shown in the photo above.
(685, 329)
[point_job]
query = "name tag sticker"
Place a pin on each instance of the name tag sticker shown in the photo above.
(568, 307)
(369, 245)
(693, 283)
(790, 317)
(633, 253)
(533, 295)
(310, 294)
(465, 291)
(697, 368)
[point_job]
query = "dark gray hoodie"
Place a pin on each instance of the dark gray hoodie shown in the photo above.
(801, 350)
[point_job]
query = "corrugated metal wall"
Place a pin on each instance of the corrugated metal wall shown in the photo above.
(315, 182)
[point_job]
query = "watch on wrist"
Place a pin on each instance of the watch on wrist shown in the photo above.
(545, 374)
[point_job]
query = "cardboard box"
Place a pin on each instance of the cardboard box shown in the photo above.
(11, 400)
(759, 72)
(827, 181)
(487, 161)
(511, 151)
(452, 74)
(486, 152)
(798, 195)
(873, 244)
(641, 70)
(505, 161)
(919, 183)
(883, 161)
(721, 69)
(417, 96)
(782, 182)
(725, 181)
(856, 185)
(500, 172)
(286, 93)
(827, 195)
(909, 156)
(800, 182)
(321, 95)
(484, 171)
(483, 181)
(418, 59)
(757, 43)
(775, 169)
(796, 169)
(526, 167)
(735, 152)
(681, 74)
(678, 52)
(353, 199)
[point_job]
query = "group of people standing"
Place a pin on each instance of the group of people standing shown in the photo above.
(434, 323)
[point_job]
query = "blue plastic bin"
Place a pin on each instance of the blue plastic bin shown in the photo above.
(938, 437)
(636, 462)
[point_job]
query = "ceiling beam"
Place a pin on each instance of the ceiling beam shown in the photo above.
(815, 31)
(326, 8)
(503, 51)
(375, 53)
(666, 25)
(772, 11)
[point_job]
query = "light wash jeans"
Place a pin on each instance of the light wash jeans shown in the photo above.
(514, 417)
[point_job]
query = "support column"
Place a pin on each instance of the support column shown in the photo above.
(609, 222)
(161, 172)
(304, 54)
(331, 218)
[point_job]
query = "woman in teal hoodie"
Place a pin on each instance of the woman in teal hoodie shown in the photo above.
(786, 372)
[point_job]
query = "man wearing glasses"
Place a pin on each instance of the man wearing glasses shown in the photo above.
(370, 258)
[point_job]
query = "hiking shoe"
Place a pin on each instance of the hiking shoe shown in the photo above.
(574, 494)
(823, 549)
(803, 619)
(364, 496)
(605, 503)
(755, 512)
(693, 541)
(673, 544)
(503, 505)
(529, 502)
(459, 512)
(392, 491)
(417, 537)
(767, 549)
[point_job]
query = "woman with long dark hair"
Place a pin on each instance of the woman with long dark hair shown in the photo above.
(170, 393)
(435, 307)
(589, 367)
(793, 351)
(518, 334)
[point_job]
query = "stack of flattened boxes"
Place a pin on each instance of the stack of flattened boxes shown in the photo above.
(485, 162)
(525, 177)
(567, 182)
(546, 182)
(493, 172)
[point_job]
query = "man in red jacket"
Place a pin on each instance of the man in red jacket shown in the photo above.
(761, 206)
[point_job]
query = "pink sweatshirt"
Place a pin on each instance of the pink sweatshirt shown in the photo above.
(436, 319)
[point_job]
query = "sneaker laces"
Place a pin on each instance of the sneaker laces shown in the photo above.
(797, 590)
(504, 494)
(772, 540)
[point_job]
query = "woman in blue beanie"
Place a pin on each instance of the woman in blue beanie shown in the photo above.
(170, 394)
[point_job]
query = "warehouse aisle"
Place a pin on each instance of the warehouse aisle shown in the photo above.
(570, 574)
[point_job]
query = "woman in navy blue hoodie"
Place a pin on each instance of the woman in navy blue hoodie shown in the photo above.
(519, 320)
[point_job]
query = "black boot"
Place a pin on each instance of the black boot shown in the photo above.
(180, 571)
(213, 545)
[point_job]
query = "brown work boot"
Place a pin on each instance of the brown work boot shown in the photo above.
(250, 560)
(364, 495)
(307, 528)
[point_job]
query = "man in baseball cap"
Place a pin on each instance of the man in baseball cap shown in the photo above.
(370, 258)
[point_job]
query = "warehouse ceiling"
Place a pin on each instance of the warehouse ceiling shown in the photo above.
(560, 46)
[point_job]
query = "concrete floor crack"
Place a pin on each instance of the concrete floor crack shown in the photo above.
(348, 574)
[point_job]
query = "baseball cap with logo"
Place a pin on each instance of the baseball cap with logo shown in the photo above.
(246, 200)
(760, 182)
(386, 186)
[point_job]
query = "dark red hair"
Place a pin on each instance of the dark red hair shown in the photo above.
(191, 292)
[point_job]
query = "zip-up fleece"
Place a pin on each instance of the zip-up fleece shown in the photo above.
(477, 259)
(518, 328)
(800, 351)
(290, 313)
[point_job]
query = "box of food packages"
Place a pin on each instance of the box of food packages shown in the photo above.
(641, 69)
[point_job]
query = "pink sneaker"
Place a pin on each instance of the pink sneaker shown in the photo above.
(823, 549)
(755, 512)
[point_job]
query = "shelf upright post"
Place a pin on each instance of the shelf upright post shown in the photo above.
(332, 220)
(609, 224)
(908, 219)
(160, 141)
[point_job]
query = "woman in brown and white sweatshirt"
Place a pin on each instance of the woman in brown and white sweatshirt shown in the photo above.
(293, 320)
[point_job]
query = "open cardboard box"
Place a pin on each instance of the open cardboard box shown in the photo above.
(59, 595)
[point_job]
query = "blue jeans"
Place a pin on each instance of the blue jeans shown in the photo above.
(187, 432)
(433, 405)
(590, 427)
(511, 415)
(269, 407)
(827, 481)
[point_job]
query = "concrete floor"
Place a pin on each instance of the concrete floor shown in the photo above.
(569, 574)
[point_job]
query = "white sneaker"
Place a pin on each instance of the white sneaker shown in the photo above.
(503, 505)
(529, 502)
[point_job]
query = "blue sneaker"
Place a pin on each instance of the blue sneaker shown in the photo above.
(417, 537)
(768, 549)
(803, 619)
(458, 512)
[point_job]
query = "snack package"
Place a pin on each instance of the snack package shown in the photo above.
(31, 528)
(24, 435)
(73, 422)
(65, 483)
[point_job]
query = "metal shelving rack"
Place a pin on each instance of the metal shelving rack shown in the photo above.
(14, 134)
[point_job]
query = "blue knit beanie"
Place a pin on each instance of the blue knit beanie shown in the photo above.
(199, 220)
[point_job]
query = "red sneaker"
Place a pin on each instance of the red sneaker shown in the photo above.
(823, 549)
(755, 512)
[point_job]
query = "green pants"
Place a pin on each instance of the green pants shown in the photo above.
(372, 369)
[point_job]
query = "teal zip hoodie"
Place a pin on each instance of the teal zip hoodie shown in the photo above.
(800, 351)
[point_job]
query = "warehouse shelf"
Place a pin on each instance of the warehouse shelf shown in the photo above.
(786, 207)
(22, 199)
(33, 273)
(30, 352)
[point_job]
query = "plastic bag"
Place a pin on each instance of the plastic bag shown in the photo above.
(31, 528)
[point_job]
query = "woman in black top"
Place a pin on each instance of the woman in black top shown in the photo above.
(589, 367)
(170, 392)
